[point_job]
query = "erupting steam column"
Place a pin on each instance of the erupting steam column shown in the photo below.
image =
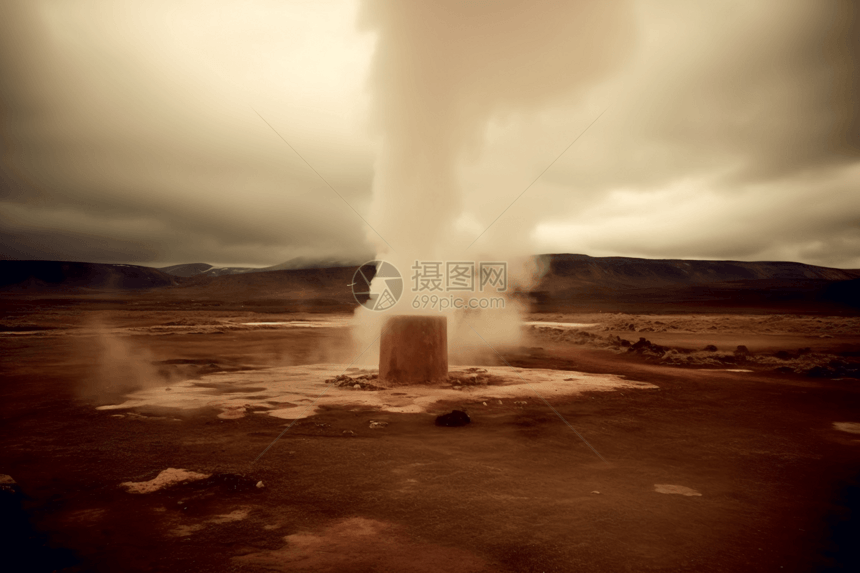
(414, 350)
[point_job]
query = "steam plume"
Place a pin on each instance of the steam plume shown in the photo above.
(441, 72)
(443, 69)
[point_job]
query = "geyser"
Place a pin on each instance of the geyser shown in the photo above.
(414, 350)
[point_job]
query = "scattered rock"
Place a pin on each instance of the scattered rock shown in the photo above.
(454, 419)
(647, 348)
(260, 484)
(7, 484)
(377, 424)
(348, 433)
(710, 348)
(355, 382)
(742, 350)
(473, 377)
(596, 492)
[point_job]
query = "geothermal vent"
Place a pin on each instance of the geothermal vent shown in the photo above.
(414, 350)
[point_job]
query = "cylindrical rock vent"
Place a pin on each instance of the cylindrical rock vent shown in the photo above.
(414, 350)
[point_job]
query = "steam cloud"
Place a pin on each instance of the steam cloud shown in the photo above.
(441, 72)
(127, 134)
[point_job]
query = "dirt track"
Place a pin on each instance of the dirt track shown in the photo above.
(513, 491)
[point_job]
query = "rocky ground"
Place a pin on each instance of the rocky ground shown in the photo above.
(831, 352)
(717, 459)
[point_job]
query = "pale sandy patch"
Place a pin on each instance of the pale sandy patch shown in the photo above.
(725, 370)
(361, 544)
(293, 392)
(236, 515)
(539, 324)
(302, 323)
(167, 478)
(677, 489)
(185, 530)
(189, 529)
(850, 427)
(233, 412)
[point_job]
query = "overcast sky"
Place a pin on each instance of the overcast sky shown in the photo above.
(132, 130)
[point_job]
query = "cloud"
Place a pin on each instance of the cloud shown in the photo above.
(122, 143)
(128, 129)
(726, 110)
(699, 219)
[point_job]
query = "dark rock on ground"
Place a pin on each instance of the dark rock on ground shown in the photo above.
(646, 347)
(226, 482)
(363, 382)
(454, 419)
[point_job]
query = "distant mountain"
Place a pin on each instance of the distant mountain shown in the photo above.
(36, 276)
(204, 269)
(323, 263)
(186, 270)
(306, 290)
(567, 283)
(580, 282)
(657, 272)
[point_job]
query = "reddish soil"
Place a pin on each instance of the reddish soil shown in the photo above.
(513, 491)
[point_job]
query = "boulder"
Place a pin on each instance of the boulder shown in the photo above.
(454, 419)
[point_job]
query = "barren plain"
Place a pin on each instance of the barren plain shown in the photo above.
(142, 432)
